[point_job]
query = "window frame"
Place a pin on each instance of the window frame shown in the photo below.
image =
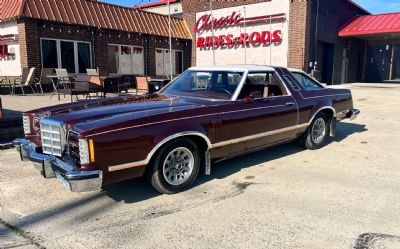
(58, 48)
(173, 50)
(119, 57)
(288, 92)
(309, 78)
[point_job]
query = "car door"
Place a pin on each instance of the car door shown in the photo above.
(265, 113)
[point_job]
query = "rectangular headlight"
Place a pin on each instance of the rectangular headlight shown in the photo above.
(84, 151)
(27, 124)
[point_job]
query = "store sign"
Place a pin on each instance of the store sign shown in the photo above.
(8, 37)
(4, 48)
(206, 23)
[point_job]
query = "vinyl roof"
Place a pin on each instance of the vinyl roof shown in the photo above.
(95, 14)
(372, 24)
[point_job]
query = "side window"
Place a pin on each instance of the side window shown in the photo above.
(262, 85)
(307, 82)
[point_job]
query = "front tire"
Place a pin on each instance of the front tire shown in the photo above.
(176, 167)
(317, 133)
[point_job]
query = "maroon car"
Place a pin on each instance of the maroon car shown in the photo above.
(205, 115)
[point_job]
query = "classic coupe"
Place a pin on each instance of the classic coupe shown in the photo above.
(205, 115)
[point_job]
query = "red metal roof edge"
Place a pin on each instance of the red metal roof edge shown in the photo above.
(148, 5)
(344, 33)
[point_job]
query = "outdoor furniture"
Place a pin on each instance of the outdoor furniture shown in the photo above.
(63, 78)
(44, 79)
(25, 80)
(83, 85)
(142, 85)
(5, 82)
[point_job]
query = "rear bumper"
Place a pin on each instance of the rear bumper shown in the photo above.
(50, 167)
(353, 114)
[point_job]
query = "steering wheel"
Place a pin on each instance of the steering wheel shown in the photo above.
(224, 90)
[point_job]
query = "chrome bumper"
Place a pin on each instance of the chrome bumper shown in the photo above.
(353, 114)
(50, 167)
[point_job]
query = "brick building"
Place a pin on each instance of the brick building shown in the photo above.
(80, 34)
(308, 38)
(77, 34)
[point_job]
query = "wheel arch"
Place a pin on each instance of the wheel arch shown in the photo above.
(199, 138)
(329, 110)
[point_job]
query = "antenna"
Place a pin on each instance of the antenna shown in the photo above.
(270, 36)
(245, 45)
(170, 38)
(212, 31)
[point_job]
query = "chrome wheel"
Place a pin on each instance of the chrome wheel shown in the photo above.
(318, 131)
(178, 166)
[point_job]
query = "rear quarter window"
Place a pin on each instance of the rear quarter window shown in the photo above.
(307, 82)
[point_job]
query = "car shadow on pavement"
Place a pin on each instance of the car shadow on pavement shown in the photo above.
(234, 165)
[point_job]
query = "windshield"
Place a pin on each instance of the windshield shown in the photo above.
(205, 84)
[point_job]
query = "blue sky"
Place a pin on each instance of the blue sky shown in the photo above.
(374, 6)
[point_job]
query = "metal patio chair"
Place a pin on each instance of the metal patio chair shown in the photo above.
(25, 80)
(44, 79)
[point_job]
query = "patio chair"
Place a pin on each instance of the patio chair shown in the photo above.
(142, 85)
(44, 80)
(63, 78)
(25, 80)
(83, 85)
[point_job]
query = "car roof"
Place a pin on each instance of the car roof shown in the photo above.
(239, 67)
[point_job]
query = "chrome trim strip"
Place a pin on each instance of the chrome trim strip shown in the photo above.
(240, 86)
(259, 135)
(153, 151)
(320, 109)
(210, 146)
(178, 119)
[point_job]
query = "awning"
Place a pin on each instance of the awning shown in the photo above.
(95, 14)
(373, 27)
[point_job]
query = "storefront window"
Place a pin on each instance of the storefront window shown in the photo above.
(83, 56)
(163, 60)
(67, 56)
(112, 59)
(49, 54)
(72, 55)
(124, 59)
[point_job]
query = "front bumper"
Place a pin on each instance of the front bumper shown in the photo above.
(51, 166)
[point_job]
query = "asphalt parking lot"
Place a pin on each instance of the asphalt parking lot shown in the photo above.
(345, 195)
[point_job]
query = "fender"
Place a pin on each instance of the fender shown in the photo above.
(159, 145)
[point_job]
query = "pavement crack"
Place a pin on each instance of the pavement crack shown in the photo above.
(21, 233)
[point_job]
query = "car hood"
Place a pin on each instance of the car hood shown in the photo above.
(90, 116)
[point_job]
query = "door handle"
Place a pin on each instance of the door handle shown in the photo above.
(290, 103)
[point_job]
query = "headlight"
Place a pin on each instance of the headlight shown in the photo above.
(84, 151)
(27, 124)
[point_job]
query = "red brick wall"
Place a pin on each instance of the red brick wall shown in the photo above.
(299, 33)
(31, 31)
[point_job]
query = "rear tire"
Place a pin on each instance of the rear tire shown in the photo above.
(317, 132)
(175, 167)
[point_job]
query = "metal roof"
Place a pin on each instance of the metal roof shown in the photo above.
(148, 5)
(95, 14)
(372, 24)
(10, 8)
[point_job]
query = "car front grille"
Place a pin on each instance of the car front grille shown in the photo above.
(53, 137)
